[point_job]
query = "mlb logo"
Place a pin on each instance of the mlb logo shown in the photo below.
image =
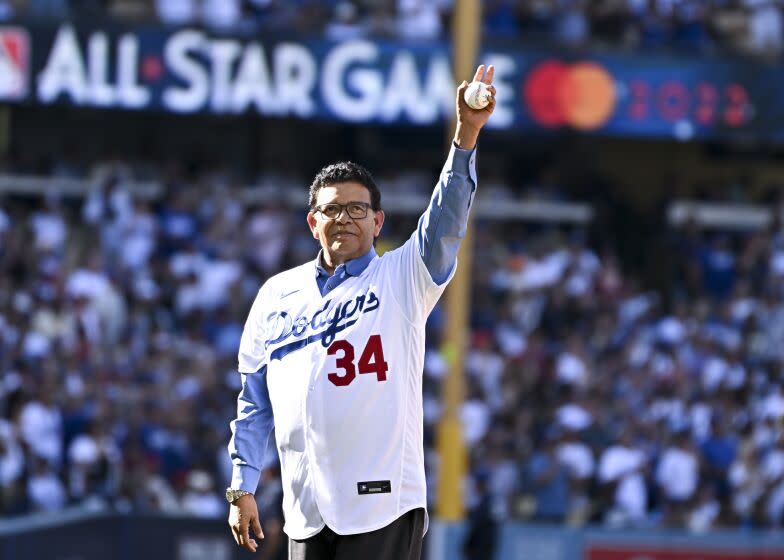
(14, 63)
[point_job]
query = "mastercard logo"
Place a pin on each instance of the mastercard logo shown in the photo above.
(581, 95)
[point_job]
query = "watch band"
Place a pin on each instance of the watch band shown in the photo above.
(233, 494)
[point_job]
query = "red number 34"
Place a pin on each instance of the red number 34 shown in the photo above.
(371, 361)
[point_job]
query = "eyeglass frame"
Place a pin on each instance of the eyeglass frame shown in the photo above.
(344, 208)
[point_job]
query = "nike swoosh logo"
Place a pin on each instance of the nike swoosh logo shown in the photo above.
(289, 293)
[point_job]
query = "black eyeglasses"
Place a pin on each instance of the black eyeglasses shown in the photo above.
(355, 210)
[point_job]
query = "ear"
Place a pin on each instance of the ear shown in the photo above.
(312, 225)
(378, 220)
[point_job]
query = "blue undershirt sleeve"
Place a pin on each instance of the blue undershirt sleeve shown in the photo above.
(443, 225)
(251, 431)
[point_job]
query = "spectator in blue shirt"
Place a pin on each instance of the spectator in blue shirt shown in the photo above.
(548, 482)
(719, 451)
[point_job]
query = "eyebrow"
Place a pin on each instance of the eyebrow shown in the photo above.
(344, 203)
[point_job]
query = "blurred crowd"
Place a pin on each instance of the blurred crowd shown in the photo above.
(593, 401)
(745, 26)
(589, 399)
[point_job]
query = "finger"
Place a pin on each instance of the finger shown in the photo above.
(490, 105)
(491, 89)
(244, 536)
(479, 72)
(257, 528)
(461, 92)
(236, 534)
(489, 74)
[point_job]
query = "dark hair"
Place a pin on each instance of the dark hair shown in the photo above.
(345, 172)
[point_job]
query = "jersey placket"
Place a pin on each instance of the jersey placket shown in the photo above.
(336, 279)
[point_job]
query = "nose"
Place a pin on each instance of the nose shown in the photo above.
(343, 217)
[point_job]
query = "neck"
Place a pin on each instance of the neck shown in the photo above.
(331, 262)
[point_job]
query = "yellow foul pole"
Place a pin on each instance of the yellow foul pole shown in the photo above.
(451, 448)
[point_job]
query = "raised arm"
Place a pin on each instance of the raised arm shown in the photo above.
(443, 224)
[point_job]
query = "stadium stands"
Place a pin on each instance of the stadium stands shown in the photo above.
(596, 395)
(746, 26)
(590, 400)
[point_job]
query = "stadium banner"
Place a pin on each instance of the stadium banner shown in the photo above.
(551, 542)
(378, 82)
(672, 553)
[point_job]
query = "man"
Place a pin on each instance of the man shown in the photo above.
(332, 357)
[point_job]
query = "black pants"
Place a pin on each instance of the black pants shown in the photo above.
(400, 540)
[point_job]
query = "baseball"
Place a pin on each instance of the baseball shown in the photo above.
(476, 95)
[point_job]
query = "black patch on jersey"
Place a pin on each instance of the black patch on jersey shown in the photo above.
(374, 487)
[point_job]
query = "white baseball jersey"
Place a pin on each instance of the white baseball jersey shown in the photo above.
(344, 374)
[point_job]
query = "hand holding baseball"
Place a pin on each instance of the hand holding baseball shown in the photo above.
(470, 120)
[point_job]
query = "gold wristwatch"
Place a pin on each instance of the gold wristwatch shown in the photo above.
(232, 494)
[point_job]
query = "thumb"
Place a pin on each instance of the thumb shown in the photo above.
(257, 528)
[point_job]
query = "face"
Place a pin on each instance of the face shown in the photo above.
(344, 238)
